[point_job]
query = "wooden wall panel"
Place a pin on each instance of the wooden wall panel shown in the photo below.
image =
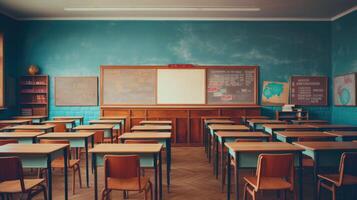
(186, 121)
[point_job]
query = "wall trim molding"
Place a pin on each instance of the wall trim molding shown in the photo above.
(344, 13)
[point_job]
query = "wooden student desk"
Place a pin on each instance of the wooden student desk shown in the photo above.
(231, 136)
(118, 124)
(246, 118)
(76, 140)
(149, 155)
(39, 156)
(307, 121)
(45, 128)
(206, 135)
(21, 137)
(33, 118)
(122, 118)
(156, 122)
(271, 128)
(107, 128)
(220, 127)
(343, 135)
(204, 128)
(257, 124)
(12, 122)
(246, 156)
(70, 123)
(155, 128)
(293, 136)
(334, 127)
(325, 154)
(76, 118)
(163, 138)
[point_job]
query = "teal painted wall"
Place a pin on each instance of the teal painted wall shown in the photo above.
(9, 28)
(78, 48)
(344, 60)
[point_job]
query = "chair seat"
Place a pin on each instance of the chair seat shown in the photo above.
(128, 184)
(14, 186)
(268, 183)
(334, 178)
(58, 163)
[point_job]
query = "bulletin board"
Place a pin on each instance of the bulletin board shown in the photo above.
(309, 90)
(344, 90)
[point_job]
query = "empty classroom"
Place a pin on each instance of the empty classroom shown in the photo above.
(198, 100)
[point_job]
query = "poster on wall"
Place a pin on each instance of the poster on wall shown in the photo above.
(275, 93)
(309, 90)
(344, 90)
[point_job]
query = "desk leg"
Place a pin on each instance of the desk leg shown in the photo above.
(111, 136)
(65, 160)
(204, 136)
(222, 165)
(92, 141)
(87, 171)
(228, 166)
(168, 163)
(216, 156)
(301, 197)
(49, 176)
(316, 171)
(94, 163)
(155, 174)
(236, 179)
(160, 176)
(209, 141)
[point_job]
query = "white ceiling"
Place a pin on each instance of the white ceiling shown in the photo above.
(178, 9)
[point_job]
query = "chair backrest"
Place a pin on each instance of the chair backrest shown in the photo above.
(276, 165)
(59, 127)
(3, 142)
(248, 140)
(141, 142)
(122, 167)
(11, 169)
(348, 163)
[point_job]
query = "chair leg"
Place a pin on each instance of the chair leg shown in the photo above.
(44, 190)
(103, 194)
(73, 180)
(151, 192)
(245, 192)
(318, 189)
(254, 195)
(333, 192)
(79, 175)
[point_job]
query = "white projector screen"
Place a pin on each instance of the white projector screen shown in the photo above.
(181, 86)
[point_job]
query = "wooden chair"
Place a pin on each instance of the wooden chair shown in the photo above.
(12, 180)
(123, 173)
(274, 172)
(59, 127)
(347, 175)
(3, 142)
(73, 164)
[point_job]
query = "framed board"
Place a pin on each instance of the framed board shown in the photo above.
(309, 90)
(344, 90)
(232, 85)
(76, 91)
(275, 93)
(181, 86)
(128, 86)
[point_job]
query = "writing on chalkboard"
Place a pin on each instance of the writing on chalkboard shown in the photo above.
(308, 90)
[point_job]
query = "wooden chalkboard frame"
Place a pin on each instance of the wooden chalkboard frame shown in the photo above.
(184, 67)
(333, 89)
(325, 103)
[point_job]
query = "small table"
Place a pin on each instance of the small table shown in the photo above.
(21, 137)
(221, 127)
(257, 124)
(94, 127)
(307, 121)
(76, 140)
(334, 127)
(271, 128)
(33, 118)
(123, 118)
(325, 154)
(45, 128)
(231, 136)
(12, 122)
(70, 123)
(246, 156)
(149, 155)
(156, 122)
(155, 128)
(246, 118)
(293, 136)
(118, 124)
(343, 135)
(163, 138)
(39, 156)
(76, 118)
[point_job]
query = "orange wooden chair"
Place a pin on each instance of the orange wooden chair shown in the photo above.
(347, 175)
(12, 180)
(59, 127)
(274, 172)
(123, 173)
(3, 142)
(73, 164)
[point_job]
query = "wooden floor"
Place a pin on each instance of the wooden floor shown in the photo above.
(192, 179)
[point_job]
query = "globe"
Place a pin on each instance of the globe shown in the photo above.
(33, 70)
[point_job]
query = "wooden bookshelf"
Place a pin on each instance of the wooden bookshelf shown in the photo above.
(33, 92)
